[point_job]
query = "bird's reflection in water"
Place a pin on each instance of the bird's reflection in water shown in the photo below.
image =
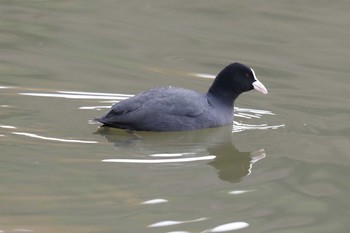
(231, 164)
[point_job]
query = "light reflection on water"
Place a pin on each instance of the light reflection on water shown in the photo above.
(154, 201)
(230, 227)
(221, 228)
(179, 160)
(171, 223)
(31, 135)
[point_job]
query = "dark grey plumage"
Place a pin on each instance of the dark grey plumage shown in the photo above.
(176, 109)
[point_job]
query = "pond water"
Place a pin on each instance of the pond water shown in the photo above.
(282, 167)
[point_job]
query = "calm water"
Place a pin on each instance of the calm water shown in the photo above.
(282, 167)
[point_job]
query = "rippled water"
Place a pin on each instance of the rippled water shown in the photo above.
(281, 167)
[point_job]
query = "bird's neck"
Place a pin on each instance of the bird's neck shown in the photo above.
(222, 94)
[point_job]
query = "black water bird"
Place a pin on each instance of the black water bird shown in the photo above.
(178, 109)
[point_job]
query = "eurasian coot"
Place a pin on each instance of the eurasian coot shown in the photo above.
(176, 109)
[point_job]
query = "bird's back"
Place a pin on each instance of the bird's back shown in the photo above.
(161, 109)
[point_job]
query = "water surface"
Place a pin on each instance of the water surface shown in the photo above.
(281, 167)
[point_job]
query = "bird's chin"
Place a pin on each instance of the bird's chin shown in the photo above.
(258, 86)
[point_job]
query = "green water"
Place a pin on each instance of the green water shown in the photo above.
(282, 168)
